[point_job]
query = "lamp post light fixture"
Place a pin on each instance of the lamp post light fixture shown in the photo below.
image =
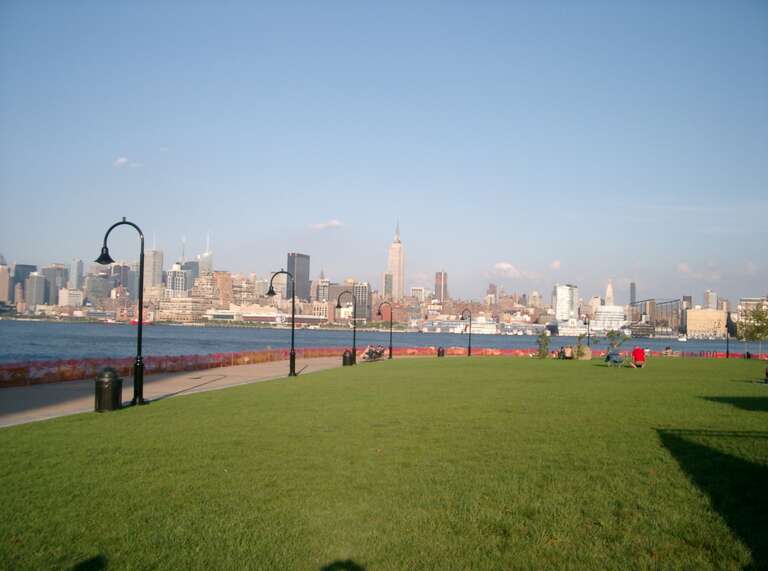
(105, 259)
(589, 341)
(469, 345)
(354, 322)
(390, 323)
(271, 293)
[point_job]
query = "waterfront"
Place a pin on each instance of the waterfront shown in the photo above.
(22, 341)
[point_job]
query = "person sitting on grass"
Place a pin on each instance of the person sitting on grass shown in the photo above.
(568, 352)
(638, 358)
(613, 357)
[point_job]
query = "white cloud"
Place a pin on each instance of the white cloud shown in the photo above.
(120, 162)
(555, 265)
(685, 269)
(507, 270)
(330, 225)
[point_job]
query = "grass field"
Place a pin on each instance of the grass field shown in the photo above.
(482, 463)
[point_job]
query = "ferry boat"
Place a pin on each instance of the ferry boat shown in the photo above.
(682, 339)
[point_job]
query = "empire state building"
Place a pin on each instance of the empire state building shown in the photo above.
(396, 266)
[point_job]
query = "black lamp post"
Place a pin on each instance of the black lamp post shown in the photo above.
(354, 322)
(728, 325)
(469, 345)
(589, 341)
(390, 323)
(105, 259)
(271, 292)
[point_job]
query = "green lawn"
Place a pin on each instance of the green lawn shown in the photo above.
(482, 463)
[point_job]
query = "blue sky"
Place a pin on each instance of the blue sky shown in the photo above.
(520, 143)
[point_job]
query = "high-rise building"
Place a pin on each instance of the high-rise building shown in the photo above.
(97, 288)
(535, 299)
(710, 299)
(566, 300)
(609, 293)
(5, 284)
(386, 285)
(178, 281)
(20, 273)
(632, 292)
(57, 277)
(396, 266)
(441, 286)
(193, 267)
(420, 293)
(298, 267)
(205, 260)
(75, 274)
(153, 268)
(687, 302)
(362, 291)
(36, 289)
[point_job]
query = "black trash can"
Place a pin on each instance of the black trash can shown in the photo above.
(441, 352)
(109, 390)
(346, 358)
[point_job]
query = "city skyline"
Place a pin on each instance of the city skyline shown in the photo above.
(518, 146)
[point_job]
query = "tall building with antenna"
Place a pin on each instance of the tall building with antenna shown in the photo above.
(396, 266)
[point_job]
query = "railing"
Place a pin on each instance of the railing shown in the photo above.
(41, 372)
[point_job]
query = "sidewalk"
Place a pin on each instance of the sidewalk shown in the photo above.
(19, 405)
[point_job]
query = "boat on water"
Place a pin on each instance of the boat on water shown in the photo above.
(145, 322)
(682, 339)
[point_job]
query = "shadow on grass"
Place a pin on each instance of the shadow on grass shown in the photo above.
(736, 487)
(182, 391)
(346, 565)
(96, 563)
(744, 403)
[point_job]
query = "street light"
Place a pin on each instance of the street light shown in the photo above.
(461, 318)
(588, 332)
(354, 322)
(271, 293)
(390, 323)
(105, 259)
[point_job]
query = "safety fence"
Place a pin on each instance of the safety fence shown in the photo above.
(41, 372)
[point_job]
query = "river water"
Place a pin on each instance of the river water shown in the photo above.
(22, 341)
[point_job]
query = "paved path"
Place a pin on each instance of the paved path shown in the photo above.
(19, 405)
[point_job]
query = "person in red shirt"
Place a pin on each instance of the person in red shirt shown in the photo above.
(638, 357)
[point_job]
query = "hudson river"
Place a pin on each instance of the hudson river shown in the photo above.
(33, 341)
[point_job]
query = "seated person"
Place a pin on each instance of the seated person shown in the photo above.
(568, 352)
(638, 358)
(613, 357)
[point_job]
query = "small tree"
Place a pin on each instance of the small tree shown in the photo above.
(579, 347)
(615, 338)
(543, 342)
(755, 327)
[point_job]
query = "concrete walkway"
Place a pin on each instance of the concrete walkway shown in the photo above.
(19, 405)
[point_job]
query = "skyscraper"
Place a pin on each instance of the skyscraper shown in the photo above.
(632, 292)
(396, 266)
(75, 274)
(566, 300)
(386, 285)
(153, 268)
(298, 267)
(20, 273)
(178, 281)
(710, 299)
(5, 284)
(56, 274)
(609, 293)
(362, 292)
(441, 286)
(36, 289)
